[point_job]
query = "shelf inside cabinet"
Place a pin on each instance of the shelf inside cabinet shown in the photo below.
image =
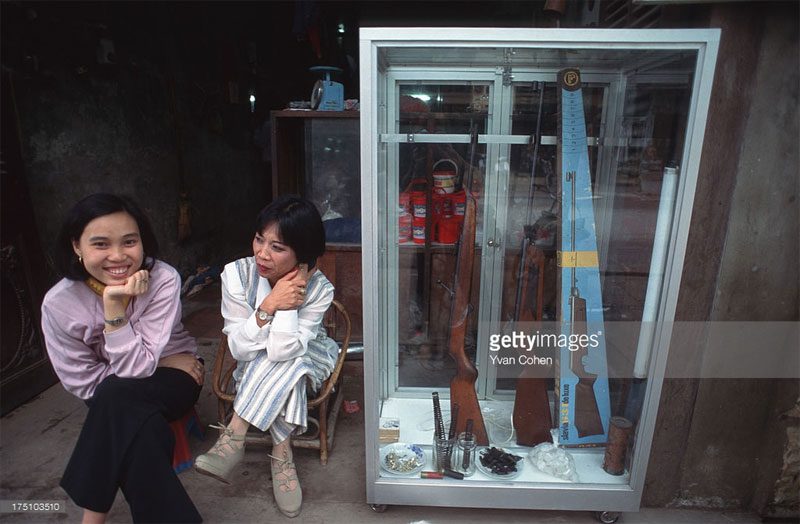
(442, 116)
(434, 247)
(307, 113)
(416, 427)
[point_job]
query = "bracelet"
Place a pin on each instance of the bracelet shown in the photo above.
(116, 321)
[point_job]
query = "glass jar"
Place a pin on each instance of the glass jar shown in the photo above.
(442, 452)
(465, 454)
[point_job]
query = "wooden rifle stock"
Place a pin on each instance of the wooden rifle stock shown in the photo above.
(587, 415)
(532, 264)
(532, 418)
(462, 385)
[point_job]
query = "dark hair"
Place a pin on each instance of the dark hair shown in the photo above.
(299, 225)
(86, 210)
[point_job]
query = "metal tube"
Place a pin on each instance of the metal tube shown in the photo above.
(658, 262)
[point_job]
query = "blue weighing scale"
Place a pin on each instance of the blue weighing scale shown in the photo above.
(327, 95)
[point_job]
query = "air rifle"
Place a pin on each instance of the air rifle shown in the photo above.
(532, 419)
(462, 385)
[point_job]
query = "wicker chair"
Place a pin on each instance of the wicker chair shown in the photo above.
(323, 408)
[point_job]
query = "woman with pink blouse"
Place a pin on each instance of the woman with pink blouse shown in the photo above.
(112, 328)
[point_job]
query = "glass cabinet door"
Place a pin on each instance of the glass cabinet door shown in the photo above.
(432, 187)
(435, 164)
(531, 209)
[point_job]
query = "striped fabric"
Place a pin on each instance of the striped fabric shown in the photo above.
(272, 394)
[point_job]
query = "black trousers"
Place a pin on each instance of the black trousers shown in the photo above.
(126, 443)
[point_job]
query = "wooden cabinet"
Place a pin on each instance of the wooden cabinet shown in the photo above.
(316, 154)
(310, 147)
(341, 263)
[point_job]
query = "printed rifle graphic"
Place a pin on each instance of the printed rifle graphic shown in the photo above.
(587, 415)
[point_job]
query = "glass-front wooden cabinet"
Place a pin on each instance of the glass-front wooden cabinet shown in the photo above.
(316, 154)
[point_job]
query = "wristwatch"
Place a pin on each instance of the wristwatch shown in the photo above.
(263, 316)
(116, 321)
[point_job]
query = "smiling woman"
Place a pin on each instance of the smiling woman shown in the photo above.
(111, 248)
(113, 331)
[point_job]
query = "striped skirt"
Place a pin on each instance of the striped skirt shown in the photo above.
(272, 395)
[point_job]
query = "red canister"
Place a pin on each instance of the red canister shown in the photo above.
(405, 218)
(459, 199)
(419, 204)
(405, 229)
(405, 203)
(447, 231)
(419, 230)
(444, 175)
(442, 207)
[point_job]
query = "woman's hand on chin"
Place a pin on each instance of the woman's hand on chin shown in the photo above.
(289, 292)
(136, 284)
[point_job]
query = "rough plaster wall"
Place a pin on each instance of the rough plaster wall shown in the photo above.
(77, 139)
(759, 273)
(736, 445)
(94, 133)
(741, 27)
(784, 498)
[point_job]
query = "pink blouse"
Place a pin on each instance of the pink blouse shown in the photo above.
(82, 355)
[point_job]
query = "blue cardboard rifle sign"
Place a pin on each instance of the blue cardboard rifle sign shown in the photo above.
(583, 374)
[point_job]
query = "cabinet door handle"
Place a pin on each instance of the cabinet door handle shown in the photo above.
(493, 243)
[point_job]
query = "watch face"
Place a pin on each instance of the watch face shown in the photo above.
(262, 315)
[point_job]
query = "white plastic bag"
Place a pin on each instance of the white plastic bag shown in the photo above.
(555, 461)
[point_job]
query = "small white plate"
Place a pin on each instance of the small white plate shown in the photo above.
(402, 459)
(488, 472)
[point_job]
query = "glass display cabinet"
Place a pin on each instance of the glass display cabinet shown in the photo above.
(525, 201)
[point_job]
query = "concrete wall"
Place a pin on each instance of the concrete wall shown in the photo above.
(721, 443)
(757, 280)
(156, 124)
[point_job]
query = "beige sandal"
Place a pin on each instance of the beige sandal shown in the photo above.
(286, 486)
(220, 460)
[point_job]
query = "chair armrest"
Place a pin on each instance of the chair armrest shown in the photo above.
(219, 377)
(330, 383)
